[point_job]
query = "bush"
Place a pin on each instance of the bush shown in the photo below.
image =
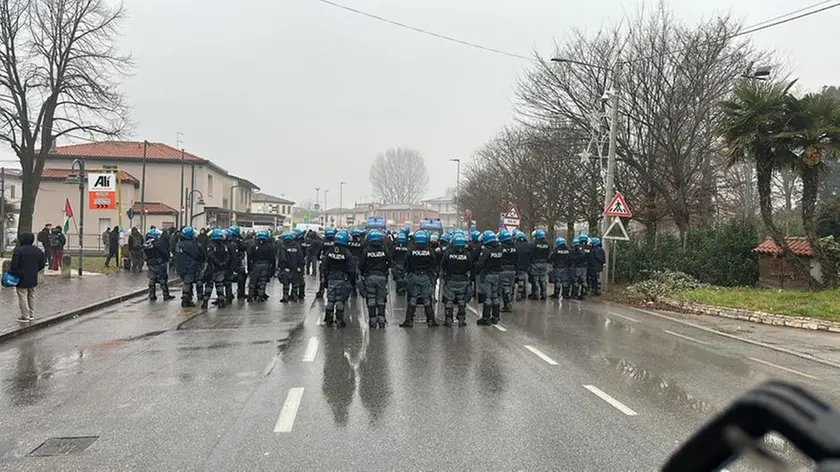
(661, 284)
(718, 255)
(828, 219)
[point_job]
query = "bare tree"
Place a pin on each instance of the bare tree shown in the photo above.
(59, 75)
(399, 175)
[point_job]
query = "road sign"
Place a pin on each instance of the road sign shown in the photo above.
(102, 191)
(618, 207)
(511, 220)
(130, 214)
(620, 236)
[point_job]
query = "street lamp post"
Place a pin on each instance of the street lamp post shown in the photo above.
(191, 197)
(341, 201)
(326, 215)
(458, 192)
(317, 201)
(80, 179)
(609, 186)
(232, 206)
(143, 190)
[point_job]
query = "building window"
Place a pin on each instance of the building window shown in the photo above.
(167, 224)
(209, 185)
(12, 190)
(224, 202)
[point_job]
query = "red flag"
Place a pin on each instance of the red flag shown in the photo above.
(68, 213)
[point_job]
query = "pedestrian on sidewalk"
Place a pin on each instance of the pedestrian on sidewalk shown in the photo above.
(57, 240)
(27, 261)
(106, 240)
(135, 247)
(113, 246)
(44, 239)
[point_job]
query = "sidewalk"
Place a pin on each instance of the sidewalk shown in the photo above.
(59, 295)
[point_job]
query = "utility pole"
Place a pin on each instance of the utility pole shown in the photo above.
(182, 211)
(458, 193)
(326, 215)
(341, 201)
(609, 188)
(2, 210)
(143, 190)
(317, 202)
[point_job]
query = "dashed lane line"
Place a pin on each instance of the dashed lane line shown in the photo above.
(311, 350)
(290, 407)
(786, 369)
(610, 400)
(541, 355)
(497, 326)
(612, 313)
(689, 338)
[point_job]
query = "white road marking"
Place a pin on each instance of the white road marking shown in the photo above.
(541, 355)
(686, 337)
(475, 312)
(634, 320)
(786, 369)
(612, 401)
(289, 411)
(500, 328)
(311, 350)
(742, 339)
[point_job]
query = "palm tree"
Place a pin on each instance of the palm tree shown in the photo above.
(812, 134)
(750, 125)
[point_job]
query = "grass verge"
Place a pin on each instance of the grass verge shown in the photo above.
(822, 305)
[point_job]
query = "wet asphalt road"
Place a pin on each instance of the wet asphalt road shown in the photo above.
(557, 386)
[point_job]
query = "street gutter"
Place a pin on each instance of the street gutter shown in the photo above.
(40, 323)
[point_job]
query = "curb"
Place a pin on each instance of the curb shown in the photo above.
(799, 322)
(41, 323)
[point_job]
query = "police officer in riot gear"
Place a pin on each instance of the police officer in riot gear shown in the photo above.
(189, 258)
(301, 291)
(338, 268)
(561, 265)
(355, 247)
(289, 267)
(490, 266)
(399, 254)
(218, 264)
(474, 246)
(524, 255)
(261, 263)
(326, 246)
(579, 260)
(541, 249)
(238, 264)
(508, 273)
(420, 265)
(456, 267)
(374, 264)
(156, 252)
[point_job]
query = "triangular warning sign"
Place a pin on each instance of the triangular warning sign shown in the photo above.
(512, 213)
(620, 235)
(618, 207)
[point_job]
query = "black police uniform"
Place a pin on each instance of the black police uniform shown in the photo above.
(508, 274)
(156, 252)
(374, 264)
(190, 256)
(338, 268)
(238, 269)
(419, 266)
(218, 265)
(456, 267)
(561, 265)
(539, 268)
(261, 263)
(289, 263)
(399, 253)
(490, 266)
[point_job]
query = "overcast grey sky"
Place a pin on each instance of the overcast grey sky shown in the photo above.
(295, 94)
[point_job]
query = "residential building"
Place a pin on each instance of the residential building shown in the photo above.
(279, 210)
(211, 195)
(446, 207)
(398, 215)
(12, 185)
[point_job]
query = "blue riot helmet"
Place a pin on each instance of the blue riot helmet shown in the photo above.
(187, 233)
(434, 237)
(584, 236)
(596, 242)
(421, 237)
(504, 235)
(153, 234)
(539, 234)
(488, 237)
(519, 236)
(287, 236)
(234, 231)
(225, 234)
(582, 239)
(560, 241)
(475, 235)
(405, 230)
(342, 238)
(262, 235)
(216, 234)
(374, 236)
(402, 237)
(457, 231)
(458, 240)
(446, 237)
(356, 233)
(329, 233)
(576, 242)
(298, 233)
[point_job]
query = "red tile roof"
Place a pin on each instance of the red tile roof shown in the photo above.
(125, 150)
(61, 174)
(798, 245)
(154, 208)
